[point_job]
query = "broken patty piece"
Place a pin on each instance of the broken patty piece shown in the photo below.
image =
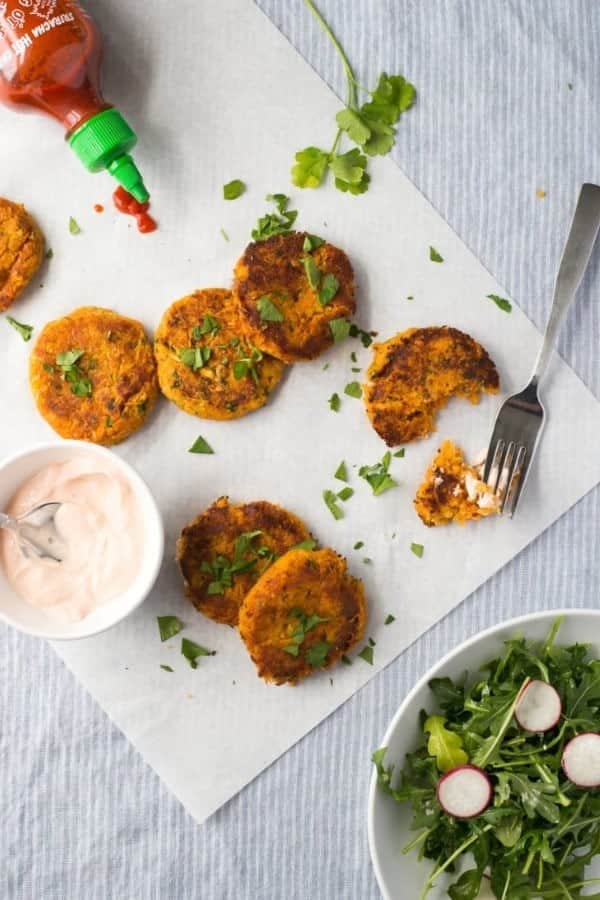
(452, 491)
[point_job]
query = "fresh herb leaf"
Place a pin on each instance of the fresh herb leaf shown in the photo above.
(267, 310)
(200, 445)
(501, 302)
(329, 288)
(349, 171)
(193, 652)
(233, 189)
(312, 242)
(224, 234)
(24, 330)
(316, 655)
(359, 545)
(67, 362)
(310, 167)
(195, 358)
(345, 494)
(246, 365)
(74, 226)
(389, 619)
(341, 473)
(434, 256)
(346, 660)
(364, 336)
(367, 654)
(340, 329)
(353, 389)
(166, 668)
(332, 505)
(313, 273)
(209, 326)
(378, 475)
(400, 453)
(168, 626)
(417, 549)
(305, 545)
(335, 402)
(49, 253)
(278, 222)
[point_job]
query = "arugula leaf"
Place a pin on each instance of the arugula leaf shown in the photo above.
(353, 389)
(24, 330)
(501, 302)
(378, 476)
(332, 505)
(168, 626)
(446, 746)
(335, 402)
(193, 652)
(340, 329)
(467, 887)
(200, 445)
(434, 256)
(233, 189)
(267, 310)
(278, 222)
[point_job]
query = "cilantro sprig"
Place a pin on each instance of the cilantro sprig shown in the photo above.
(316, 654)
(246, 555)
(24, 330)
(68, 363)
(541, 831)
(371, 126)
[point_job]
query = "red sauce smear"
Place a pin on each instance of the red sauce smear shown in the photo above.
(98, 208)
(128, 205)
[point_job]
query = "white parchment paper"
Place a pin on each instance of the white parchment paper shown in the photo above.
(216, 93)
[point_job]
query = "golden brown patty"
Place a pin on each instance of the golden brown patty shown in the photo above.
(93, 375)
(276, 618)
(415, 373)
(273, 275)
(226, 549)
(453, 490)
(21, 250)
(206, 365)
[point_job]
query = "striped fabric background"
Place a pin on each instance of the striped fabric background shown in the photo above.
(81, 817)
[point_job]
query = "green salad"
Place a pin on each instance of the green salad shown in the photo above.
(506, 779)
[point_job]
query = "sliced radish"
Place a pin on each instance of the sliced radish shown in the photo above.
(464, 792)
(539, 707)
(581, 760)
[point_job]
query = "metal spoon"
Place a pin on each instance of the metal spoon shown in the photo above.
(36, 532)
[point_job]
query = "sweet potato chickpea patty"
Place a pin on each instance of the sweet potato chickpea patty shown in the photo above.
(414, 374)
(303, 615)
(21, 250)
(452, 491)
(225, 550)
(206, 365)
(290, 287)
(93, 375)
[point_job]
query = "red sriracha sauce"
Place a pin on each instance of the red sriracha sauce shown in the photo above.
(127, 204)
(50, 55)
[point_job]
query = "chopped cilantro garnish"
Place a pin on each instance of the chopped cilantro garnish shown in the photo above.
(335, 402)
(195, 358)
(24, 330)
(245, 557)
(367, 654)
(168, 626)
(316, 655)
(400, 453)
(378, 475)
(313, 273)
(501, 302)
(166, 668)
(74, 226)
(332, 505)
(67, 362)
(209, 326)
(305, 545)
(267, 310)
(346, 660)
(200, 445)
(341, 473)
(306, 623)
(279, 222)
(233, 189)
(353, 356)
(246, 365)
(49, 253)
(340, 329)
(434, 256)
(193, 651)
(329, 288)
(359, 544)
(417, 549)
(353, 389)
(224, 234)
(389, 619)
(364, 336)
(345, 494)
(311, 242)
(325, 366)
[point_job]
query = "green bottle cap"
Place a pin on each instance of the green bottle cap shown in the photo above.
(104, 142)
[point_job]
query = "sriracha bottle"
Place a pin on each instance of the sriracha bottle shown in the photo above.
(50, 56)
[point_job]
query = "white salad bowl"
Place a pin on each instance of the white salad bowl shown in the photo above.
(16, 612)
(402, 876)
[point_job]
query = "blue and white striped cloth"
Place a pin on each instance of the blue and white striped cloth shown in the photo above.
(509, 104)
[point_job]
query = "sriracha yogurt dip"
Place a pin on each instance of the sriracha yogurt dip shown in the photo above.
(102, 526)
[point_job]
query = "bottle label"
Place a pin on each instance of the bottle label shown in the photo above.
(22, 22)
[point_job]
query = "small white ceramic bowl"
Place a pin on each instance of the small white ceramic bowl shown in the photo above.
(401, 877)
(13, 610)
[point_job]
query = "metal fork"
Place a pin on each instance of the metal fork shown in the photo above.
(520, 421)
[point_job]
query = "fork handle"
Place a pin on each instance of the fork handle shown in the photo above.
(573, 264)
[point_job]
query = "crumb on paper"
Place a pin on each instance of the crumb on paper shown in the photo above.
(540, 193)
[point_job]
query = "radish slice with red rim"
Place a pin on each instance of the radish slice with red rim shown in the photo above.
(464, 792)
(539, 707)
(581, 760)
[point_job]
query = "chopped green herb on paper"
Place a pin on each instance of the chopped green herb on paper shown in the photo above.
(389, 619)
(367, 654)
(335, 402)
(399, 454)
(233, 189)
(341, 473)
(501, 302)
(346, 660)
(365, 337)
(24, 330)
(74, 226)
(224, 234)
(332, 505)
(280, 221)
(193, 652)
(168, 626)
(434, 256)
(345, 494)
(340, 329)
(359, 545)
(353, 389)
(166, 668)
(378, 475)
(418, 550)
(200, 445)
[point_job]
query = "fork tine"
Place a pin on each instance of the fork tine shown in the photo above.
(513, 491)
(505, 472)
(495, 466)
